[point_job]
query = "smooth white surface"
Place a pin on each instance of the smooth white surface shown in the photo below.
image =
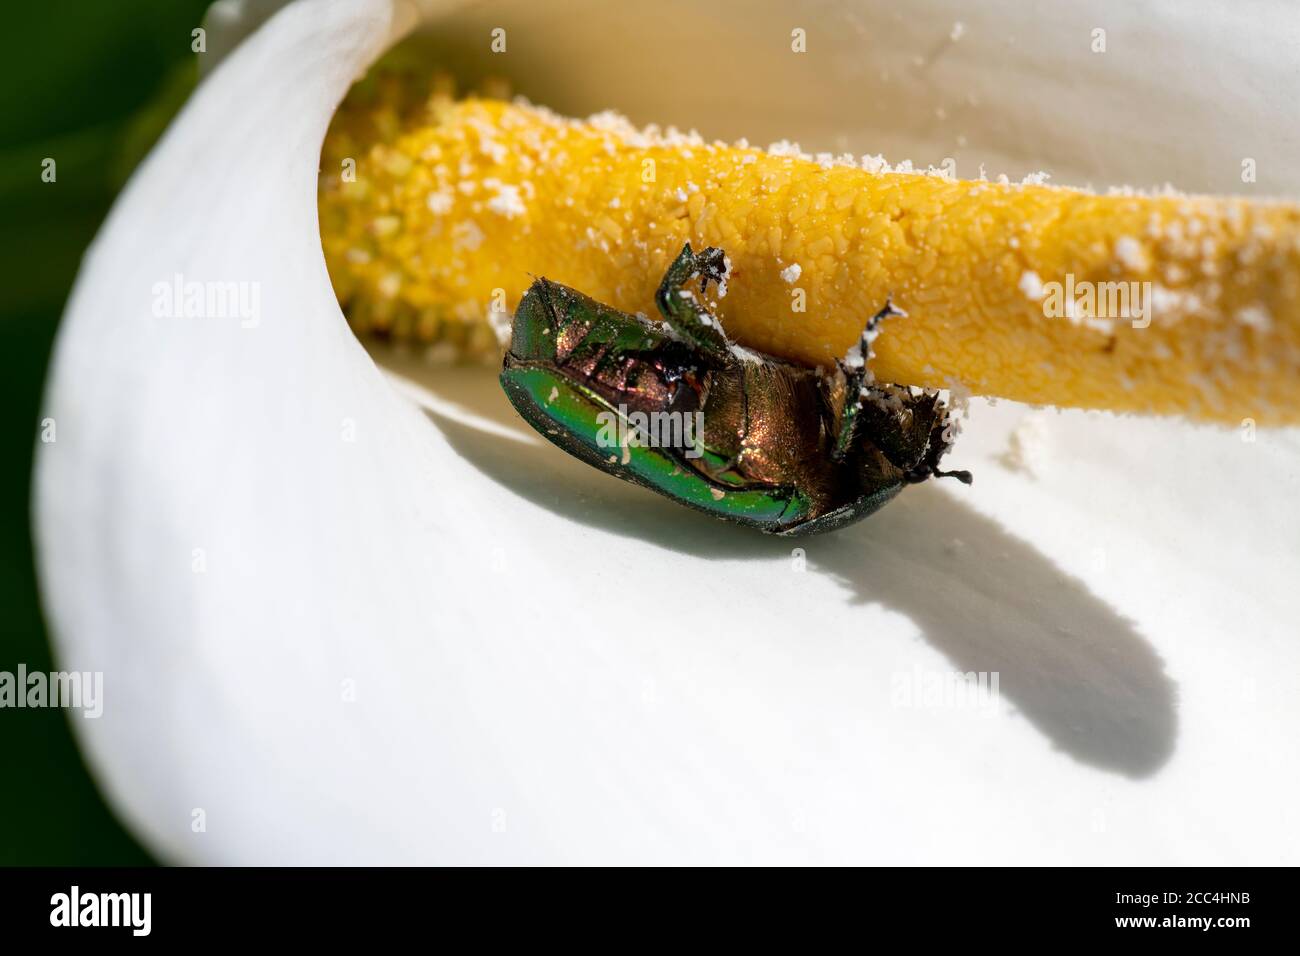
(550, 665)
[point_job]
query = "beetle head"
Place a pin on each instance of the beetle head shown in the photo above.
(533, 334)
(940, 440)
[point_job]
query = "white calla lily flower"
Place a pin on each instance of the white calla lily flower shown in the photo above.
(353, 614)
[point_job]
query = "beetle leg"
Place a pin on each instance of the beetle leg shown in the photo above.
(683, 309)
(857, 380)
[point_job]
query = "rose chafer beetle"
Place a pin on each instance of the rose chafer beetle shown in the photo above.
(783, 448)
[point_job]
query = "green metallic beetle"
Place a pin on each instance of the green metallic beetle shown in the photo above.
(677, 408)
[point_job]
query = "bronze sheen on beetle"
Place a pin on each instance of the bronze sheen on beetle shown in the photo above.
(676, 407)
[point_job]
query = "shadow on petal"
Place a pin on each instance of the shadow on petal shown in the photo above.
(1068, 663)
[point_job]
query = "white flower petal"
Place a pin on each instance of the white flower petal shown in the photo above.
(551, 665)
(229, 22)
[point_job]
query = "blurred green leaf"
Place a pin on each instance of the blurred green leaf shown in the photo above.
(90, 85)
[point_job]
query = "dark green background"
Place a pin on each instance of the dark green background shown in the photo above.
(89, 83)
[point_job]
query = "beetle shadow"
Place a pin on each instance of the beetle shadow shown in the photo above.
(990, 602)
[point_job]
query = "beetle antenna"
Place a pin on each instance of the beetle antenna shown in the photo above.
(964, 477)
